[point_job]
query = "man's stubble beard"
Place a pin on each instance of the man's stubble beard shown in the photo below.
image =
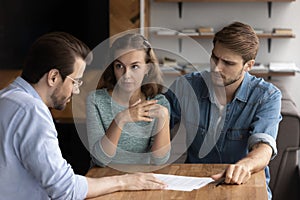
(58, 103)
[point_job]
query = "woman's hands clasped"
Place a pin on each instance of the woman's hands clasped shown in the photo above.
(142, 111)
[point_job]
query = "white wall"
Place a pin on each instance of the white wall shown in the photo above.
(217, 15)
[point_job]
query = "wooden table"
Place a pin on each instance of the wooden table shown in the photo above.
(255, 188)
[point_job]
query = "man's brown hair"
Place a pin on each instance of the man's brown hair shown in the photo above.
(56, 50)
(239, 38)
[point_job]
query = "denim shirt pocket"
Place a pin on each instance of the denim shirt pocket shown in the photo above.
(237, 134)
(236, 143)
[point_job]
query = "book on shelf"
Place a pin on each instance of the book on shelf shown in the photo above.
(170, 62)
(171, 66)
(283, 31)
(166, 32)
(259, 68)
(206, 33)
(259, 31)
(203, 30)
(189, 32)
(283, 67)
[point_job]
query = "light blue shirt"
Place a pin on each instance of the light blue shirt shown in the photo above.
(31, 163)
(225, 134)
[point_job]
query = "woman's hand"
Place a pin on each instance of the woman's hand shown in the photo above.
(142, 111)
(135, 181)
(141, 181)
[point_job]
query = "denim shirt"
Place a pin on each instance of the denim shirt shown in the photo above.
(224, 134)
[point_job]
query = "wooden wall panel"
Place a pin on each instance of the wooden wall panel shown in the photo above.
(125, 15)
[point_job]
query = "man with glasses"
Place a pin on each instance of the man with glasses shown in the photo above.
(230, 116)
(31, 164)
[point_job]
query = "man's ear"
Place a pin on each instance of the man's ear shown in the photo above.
(53, 77)
(248, 65)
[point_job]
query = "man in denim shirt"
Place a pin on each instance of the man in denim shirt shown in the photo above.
(230, 116)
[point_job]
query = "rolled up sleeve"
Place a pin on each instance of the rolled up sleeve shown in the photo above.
(263, 138)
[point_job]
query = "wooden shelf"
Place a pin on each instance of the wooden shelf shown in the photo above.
(273, 35)
(266, 75)
(179, 2)
(270, 74)
(260, 35)
(184, 36)
(223, 0)
(268, 36)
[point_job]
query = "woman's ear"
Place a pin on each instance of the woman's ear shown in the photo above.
(53, 76)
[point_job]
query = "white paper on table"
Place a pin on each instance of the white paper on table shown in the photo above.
(183, 183)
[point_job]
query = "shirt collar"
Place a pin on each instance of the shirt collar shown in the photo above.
(209, 92)
(24, 85)
(243, 91)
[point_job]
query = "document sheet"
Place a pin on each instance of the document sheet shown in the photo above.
(183, 183)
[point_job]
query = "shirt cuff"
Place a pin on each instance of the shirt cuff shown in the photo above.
(263, 138)
(81, 187)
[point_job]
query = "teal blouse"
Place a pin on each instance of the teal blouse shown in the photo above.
(136, 140)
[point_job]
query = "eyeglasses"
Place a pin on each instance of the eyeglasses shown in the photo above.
(76, 82)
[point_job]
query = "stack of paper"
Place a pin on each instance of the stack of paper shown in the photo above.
(258, 31)
(166, 32)
(183, 183)
(171, 62)
(283, 67)
(259, 67)
(190, 32)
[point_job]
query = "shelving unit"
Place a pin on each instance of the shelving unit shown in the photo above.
(181, 1)
(268, 36)
(260, 35)
(223, 0)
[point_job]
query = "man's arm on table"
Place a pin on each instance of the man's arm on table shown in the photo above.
(136, 181)
(257, 159)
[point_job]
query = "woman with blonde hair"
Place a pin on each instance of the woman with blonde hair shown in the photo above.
(127, 116)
